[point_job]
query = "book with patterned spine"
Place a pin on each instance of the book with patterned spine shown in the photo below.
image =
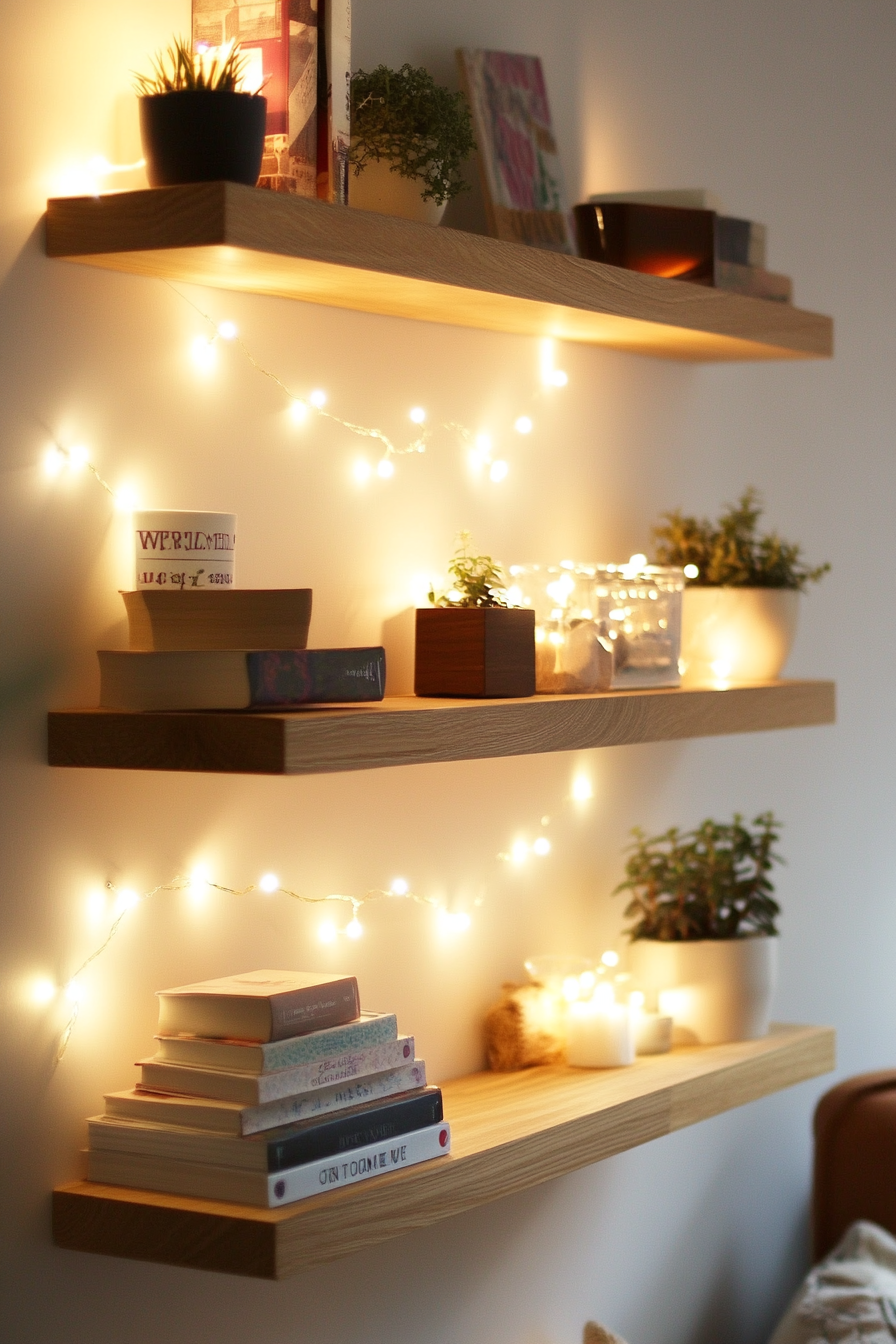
(249, 1057)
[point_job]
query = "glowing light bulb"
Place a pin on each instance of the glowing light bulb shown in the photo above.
(269, 882)
(54, 461)
(227, 330)
(498, 470)
(541, 846)
(354, 928)
(523, 424)
(417, 414)
(581, 789)
(362, 471)
(385, 468)
(78, 457)
(519, 851)
(126, 899)
(610, 958)
(559, 378)
(298, 412)
(399, 887)
(318, 398)
(691, 571)
(126, 499)
(326, 931)
(43, 991)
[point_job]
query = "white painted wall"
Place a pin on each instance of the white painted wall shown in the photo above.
(787, 111)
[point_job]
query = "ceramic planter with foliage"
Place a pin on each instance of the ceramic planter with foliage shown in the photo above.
(704, 941)
(470, 642)
(741, 602)
(409, 139)
(195, 123)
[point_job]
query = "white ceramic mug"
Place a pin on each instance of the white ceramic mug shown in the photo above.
(176, 548)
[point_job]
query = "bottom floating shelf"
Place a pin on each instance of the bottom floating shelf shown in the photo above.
(509, 1132)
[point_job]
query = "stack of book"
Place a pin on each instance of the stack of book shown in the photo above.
(682, 235)
(267, 1088)
(230, 648)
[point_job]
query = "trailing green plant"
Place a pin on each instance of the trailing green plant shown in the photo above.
(731, 553)
(421, 128)
(180, 69)
(478, 580)
(711, 882)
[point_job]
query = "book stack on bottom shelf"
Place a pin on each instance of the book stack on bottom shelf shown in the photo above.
(266, 1089)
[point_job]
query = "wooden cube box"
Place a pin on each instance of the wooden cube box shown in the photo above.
(475, 651)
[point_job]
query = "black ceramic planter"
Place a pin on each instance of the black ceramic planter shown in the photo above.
(194, 136)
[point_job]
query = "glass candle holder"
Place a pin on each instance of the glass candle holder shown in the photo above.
(602, 627)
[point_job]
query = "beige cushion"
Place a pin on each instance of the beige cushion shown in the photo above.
(850, 1297)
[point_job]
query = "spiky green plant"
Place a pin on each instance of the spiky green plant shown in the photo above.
(422, 129)
(478, 580)
(711, 882)
(180, 69)
(731, 553)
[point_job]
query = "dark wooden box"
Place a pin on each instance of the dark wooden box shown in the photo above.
(475, 651)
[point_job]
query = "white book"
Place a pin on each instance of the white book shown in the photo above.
(252, 1089)
(268, 1190)
(230, 1117)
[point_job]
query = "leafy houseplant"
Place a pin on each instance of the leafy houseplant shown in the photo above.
(741, 602)
(703, 934)
(195, 122)
(470, 642)
(409, 139)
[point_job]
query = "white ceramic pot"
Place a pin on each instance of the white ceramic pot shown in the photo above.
(377, 188)
(736, 634)
(177, 548)
(715, 989)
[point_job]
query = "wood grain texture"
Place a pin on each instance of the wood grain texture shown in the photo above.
(236, 237)
(509, 1132)
(404, 730)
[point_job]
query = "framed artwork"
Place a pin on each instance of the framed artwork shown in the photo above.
(522, 180)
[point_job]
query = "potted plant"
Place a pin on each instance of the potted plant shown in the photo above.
(195, 122)
(409, 139)
(704, 941)
(471, 642)
(741, 601)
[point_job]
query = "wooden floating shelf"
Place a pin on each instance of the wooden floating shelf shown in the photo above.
(237, 237)
(509, 1132)
(404, 730)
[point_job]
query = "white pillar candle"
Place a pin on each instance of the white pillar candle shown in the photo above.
(600, 1034)
(653, 1033)
(179, 549)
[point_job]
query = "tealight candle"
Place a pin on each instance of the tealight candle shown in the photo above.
(600, 1033)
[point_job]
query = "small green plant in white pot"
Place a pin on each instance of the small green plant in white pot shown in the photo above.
(704, 938)
(409, 139)
(741, 602)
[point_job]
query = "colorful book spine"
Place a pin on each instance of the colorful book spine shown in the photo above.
(269, 1190)
(253, 1090)
(244, 1057)
(316, 676)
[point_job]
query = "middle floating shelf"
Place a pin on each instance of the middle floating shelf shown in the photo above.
(404, 730)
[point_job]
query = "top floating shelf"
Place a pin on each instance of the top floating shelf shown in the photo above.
(236, 237)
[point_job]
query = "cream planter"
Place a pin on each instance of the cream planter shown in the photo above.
(736, 634)
(715, 990)
(377, 188)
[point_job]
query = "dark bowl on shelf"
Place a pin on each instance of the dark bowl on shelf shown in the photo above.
(202, 136)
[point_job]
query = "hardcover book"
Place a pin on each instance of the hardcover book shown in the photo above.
(334, 99)
(275, 1149)
(232, 1117)
(268, 1189)
(519, 164)
(254, 1089)
(244, 1057)
(259, 1005)
(234, 679)
(218, 618)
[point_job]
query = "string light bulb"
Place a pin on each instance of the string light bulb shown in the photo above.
(126, 900)
(54, 461)
(354, 928)
(268, 883)
(318, 399)
(581, 789)
(126, 499)
(417, 414)
(691, 571)
(298, 411)
(399, 887)
(498, 470)
(227, 330)
(43, 991)
(385, 468)
(454, 921)
(541, 846)
(523, 424)
(610, 958)
(558, 378)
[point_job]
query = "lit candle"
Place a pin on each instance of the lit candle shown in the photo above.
(600, 1033)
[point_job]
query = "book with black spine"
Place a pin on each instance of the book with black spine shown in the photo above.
(205, 679)
(268, 1190)
(274, 1149)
